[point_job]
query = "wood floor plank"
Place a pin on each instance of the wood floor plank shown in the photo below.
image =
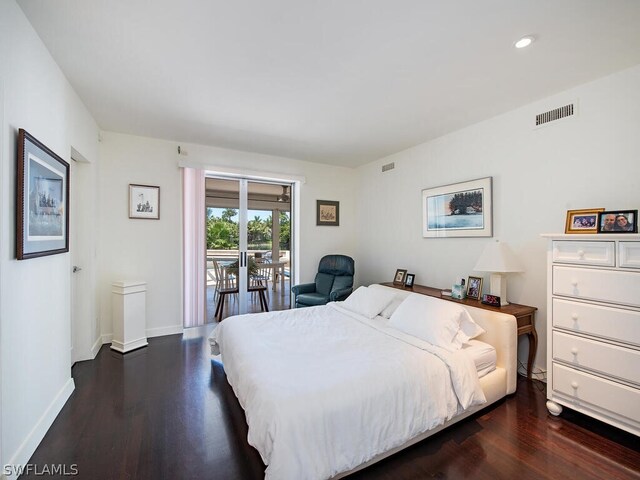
(167, 412)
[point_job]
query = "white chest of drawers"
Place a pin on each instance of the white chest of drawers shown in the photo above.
(593, 327)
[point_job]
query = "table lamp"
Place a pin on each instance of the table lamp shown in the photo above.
(498, 259)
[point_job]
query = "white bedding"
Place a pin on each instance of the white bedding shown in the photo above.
(325, 390)
(484, 356)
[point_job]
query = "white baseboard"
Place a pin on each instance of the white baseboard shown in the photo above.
(161, 331)
(151, 332)
(33, 439)
(96, 346)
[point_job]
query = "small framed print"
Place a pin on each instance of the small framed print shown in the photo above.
(474, 288)
(399, 277)
(328, 213)
(618, 221)
(492, 300)
(408, 280)
(144, 202)
(582, 221)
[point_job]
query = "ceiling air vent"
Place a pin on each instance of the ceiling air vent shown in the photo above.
(556, 114)
(388, 166)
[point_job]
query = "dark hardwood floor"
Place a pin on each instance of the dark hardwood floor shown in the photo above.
(167, 412)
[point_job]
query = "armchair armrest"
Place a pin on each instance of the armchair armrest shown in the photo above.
(303, 288)
(339, 295)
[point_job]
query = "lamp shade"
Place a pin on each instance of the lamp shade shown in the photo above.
(498, 257)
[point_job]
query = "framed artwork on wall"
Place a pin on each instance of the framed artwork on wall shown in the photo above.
(42, 224)
(144, 202)
(458, 210)
(327, 213)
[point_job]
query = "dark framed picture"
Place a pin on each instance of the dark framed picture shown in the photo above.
(328, 213)
(144, 202)
(474, 288)
(458, 210)
(582, 221)
(398, 279)
(618, 221)
(408, 280)
(42, 224)
(492, 300)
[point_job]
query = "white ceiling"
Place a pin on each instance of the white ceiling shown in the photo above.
(334, 81)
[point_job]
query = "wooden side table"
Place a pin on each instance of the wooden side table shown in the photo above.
(525, 315)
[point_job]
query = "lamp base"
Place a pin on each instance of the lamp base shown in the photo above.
(498, 286)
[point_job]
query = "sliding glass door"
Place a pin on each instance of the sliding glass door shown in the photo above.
(248, 241)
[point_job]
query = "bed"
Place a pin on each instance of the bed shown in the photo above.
(332, 389)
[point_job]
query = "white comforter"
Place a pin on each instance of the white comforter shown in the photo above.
(325, 390)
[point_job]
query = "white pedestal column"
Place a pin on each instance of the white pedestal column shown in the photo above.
(128, 302)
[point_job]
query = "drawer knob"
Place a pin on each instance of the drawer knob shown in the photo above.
(574, 385)
(581, 253)
(574, 316)
(574, 351)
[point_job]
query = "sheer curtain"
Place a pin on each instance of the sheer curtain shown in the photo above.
(194, 248)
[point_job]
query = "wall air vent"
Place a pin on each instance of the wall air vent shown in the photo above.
(388, 166)
(556, 114)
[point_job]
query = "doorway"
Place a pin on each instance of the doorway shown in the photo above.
(249, 230)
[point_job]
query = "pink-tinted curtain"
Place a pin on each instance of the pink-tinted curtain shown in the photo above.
(193, 240)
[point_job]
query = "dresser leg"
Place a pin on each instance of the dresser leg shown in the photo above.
(554, 408)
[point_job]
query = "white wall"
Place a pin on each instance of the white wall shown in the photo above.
(35, 294)
(152, 250)
(588, 161)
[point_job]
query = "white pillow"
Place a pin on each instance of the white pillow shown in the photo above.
(398, 298)
(431, 319)
(368, 302)
(468, 328)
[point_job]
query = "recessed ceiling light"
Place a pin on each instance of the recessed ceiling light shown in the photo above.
(524, 42)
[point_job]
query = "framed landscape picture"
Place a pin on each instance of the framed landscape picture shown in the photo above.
(42, 224)
(458, 210)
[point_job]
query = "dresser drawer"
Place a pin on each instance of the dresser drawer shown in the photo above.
(601, 285)
(584, 253)
(629, 253)
(585, 390)
(599, 320)
(599, 357)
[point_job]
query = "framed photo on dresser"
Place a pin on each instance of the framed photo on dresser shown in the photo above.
(618, 221)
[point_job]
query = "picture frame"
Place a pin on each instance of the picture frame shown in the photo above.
(618, 221)
(474, 288)
(458, 210)
(409, 279)
(144, 202)
(42, 223)
(582, 221)
(398, 278)
(492, 300)
(327, 213)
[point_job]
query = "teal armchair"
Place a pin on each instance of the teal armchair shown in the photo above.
(333, 283)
